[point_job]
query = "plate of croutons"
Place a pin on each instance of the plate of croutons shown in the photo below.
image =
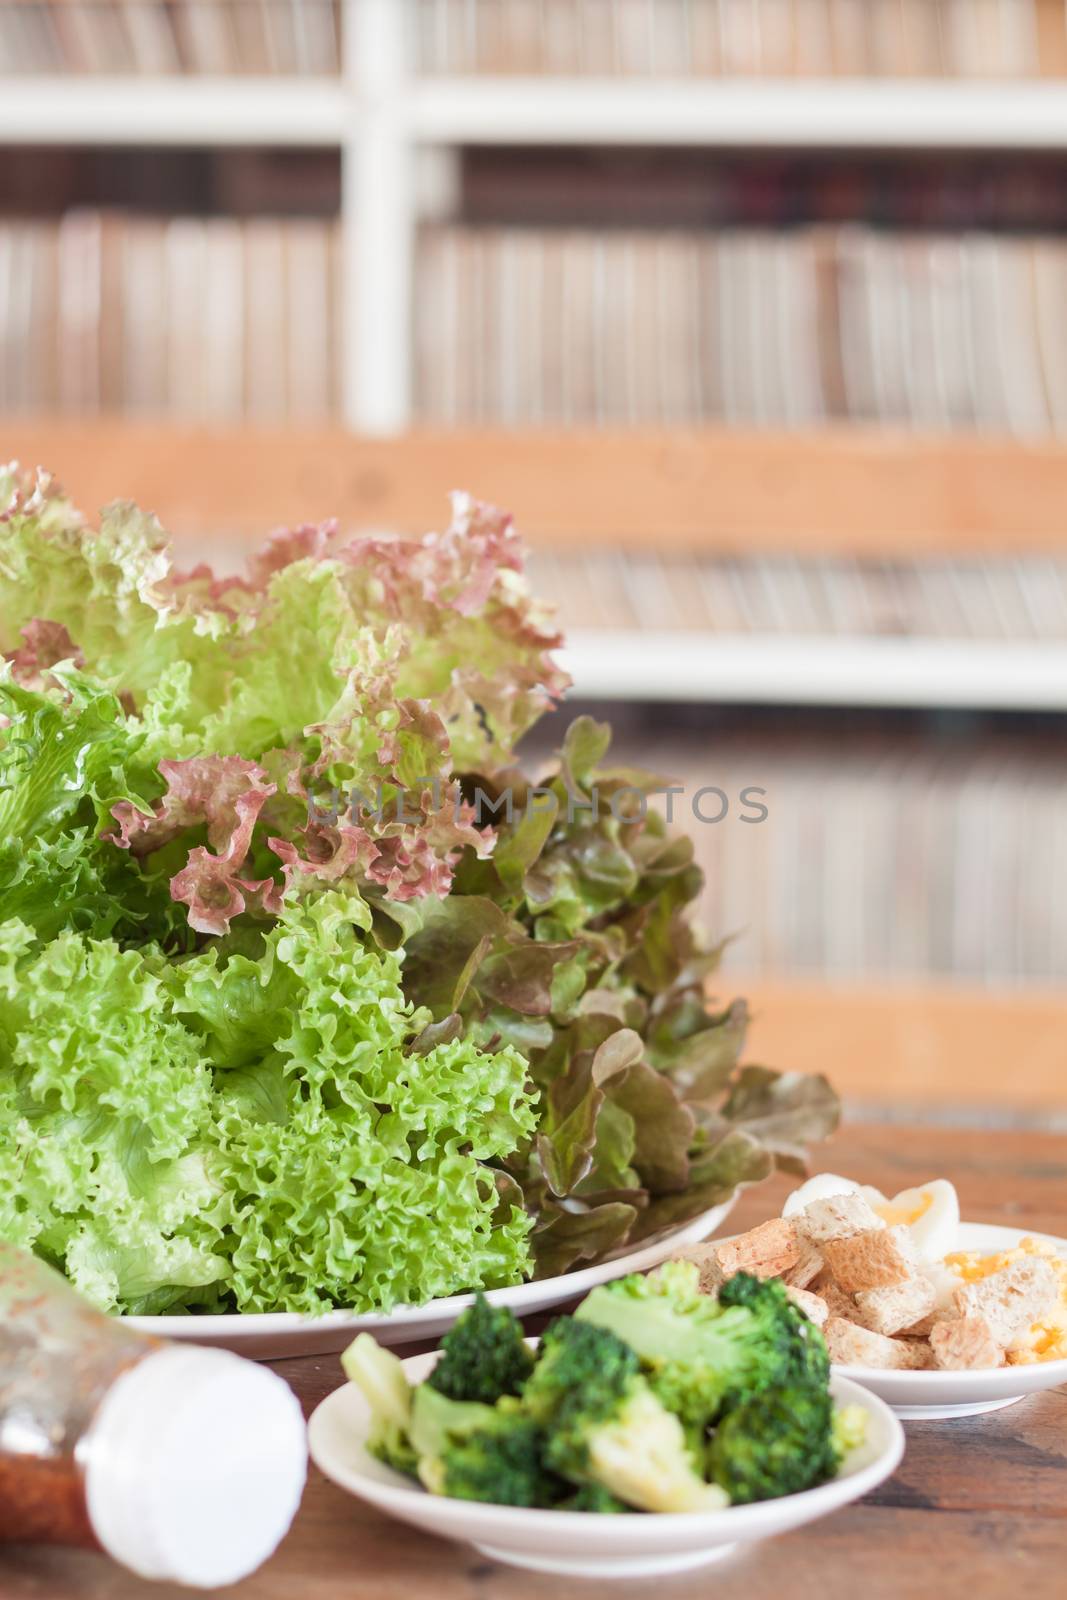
(938, 1317)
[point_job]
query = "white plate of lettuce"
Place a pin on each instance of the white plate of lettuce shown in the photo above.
(287, 1023)
(268, 1335)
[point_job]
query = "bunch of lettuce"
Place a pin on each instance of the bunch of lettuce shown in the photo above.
(288, 1017)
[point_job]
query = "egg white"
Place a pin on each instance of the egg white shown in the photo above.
(930, 1211)
(821, 1187)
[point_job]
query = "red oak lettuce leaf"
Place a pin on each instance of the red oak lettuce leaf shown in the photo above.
(646, 1116)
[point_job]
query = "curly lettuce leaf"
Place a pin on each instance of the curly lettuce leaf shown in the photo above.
(68, 754)
(247, 1128)
(103, 1103)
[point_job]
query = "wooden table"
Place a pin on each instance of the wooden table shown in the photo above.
(977, 1508)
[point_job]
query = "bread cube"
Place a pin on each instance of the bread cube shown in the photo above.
(965, 1343)
(895, 1308)
(872, 1260)
(839, 1216)
(1011, 1300)
(767, 1251)
(918, 1353)
(813, 1306)
(707, 1260)
(808, 1266)
(838, 1303)
(852, 1346)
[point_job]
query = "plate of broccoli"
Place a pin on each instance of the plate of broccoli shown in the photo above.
(652, 1430)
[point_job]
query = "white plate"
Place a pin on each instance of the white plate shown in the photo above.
(629, 1545)
(926, 1395)
(268, 1335)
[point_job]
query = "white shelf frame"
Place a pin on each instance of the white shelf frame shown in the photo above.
(174, 111)
(882, 113)
(801, 669)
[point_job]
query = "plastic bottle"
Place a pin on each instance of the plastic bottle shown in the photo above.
(182, 1463)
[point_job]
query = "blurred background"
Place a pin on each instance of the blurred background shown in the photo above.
(754, 312)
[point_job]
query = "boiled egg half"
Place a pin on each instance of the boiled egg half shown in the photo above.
(930, 1211)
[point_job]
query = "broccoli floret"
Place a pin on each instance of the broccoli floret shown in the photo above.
(483, 1355)
(776, 1442)
(380, 1376)
(438, 1422)
(604, 1426)
(579, 1358)
(700, 1353)
(638, 1454)
(806, 1357)
(503, 1462)
(593, 1497)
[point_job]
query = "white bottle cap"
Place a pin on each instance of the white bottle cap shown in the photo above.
(194, 1466)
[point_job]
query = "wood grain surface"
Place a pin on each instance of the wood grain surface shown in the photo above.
(978, 1508)
(853, 491)
(924, 1047)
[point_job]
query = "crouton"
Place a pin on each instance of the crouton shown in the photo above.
(943, 1308)
(1011, 1300)
(917, 1353)
(963, 1343)
(852, 1346)
(872, 1260)
(766, 1251)
(813, 1306)
(808, 1266)
(896, 1307)
(921, 1328)
(707, 1260)
(838, 1303)
(839, 1216)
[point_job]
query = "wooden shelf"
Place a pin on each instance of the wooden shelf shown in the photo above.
(850, 492)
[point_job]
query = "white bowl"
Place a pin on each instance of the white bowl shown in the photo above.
(579, 1544)
(927, 1395)
(267, 1335)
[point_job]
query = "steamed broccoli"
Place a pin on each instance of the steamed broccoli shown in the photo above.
(776, 1442)
(701, 1354)
(504, 1463)
(593, 1497)
(652, 1397)
(380, 1376)
(604, 1426)
(483, 1355)
(806, 1356)
(578, 1359)
(437, 1424)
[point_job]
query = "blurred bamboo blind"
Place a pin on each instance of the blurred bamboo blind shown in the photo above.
(882, 855)
(285, 38)
(209, 318)
(773, 38)
(803, 595)
(718, 38)
(525, 326)
(231, 318)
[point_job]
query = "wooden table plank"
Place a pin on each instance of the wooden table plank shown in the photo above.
(978, 1506)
